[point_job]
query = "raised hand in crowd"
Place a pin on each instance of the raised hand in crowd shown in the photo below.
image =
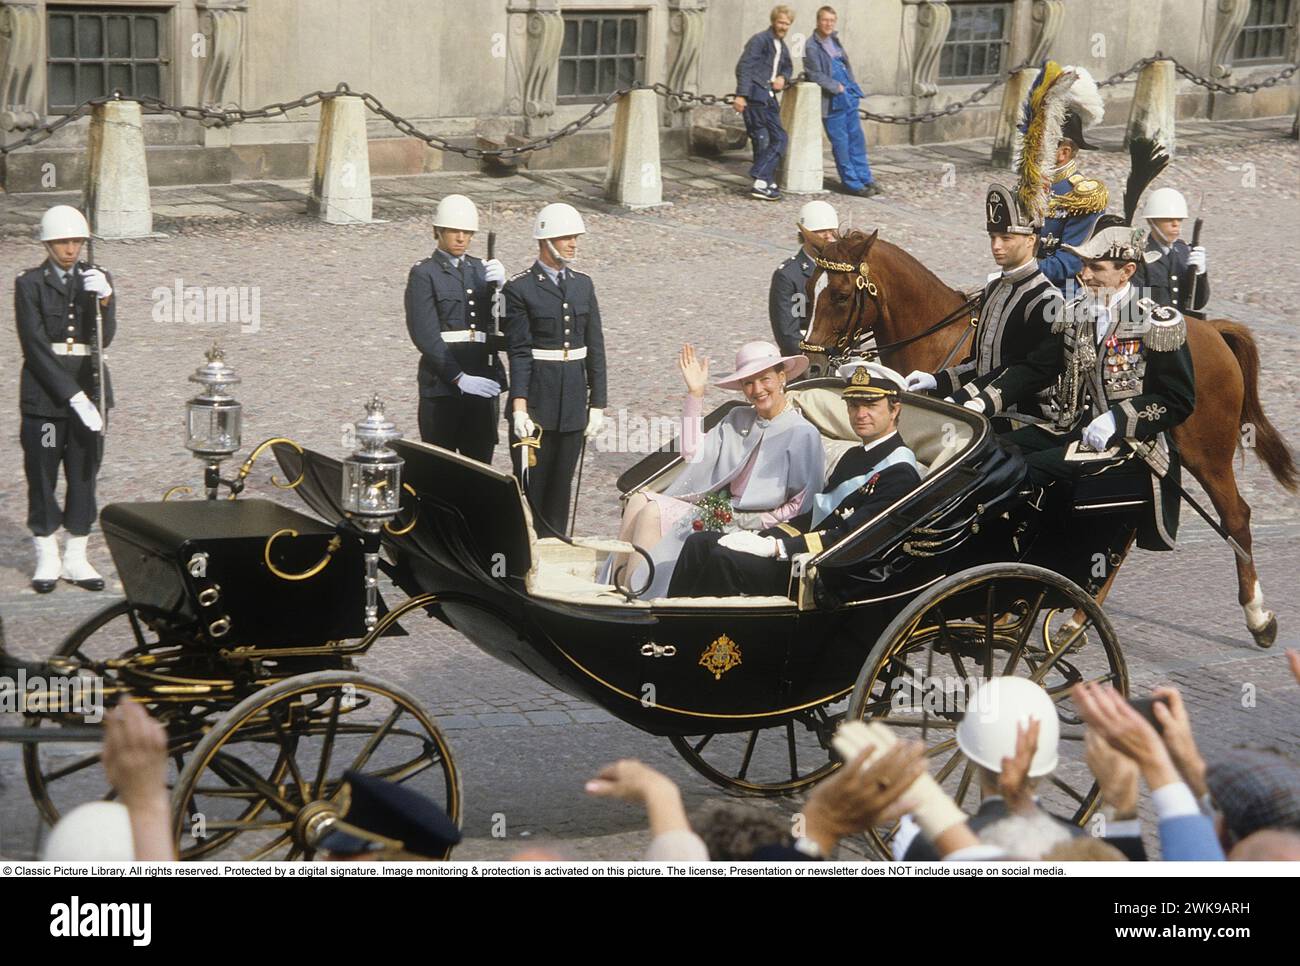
(1114, 719)
(861, 796)
(1116, 773)
(634, 781)
(1293, 658)
(135, 761)
(1176, 730)
(1013, 780)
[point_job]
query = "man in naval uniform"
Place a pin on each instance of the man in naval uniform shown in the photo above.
(1168, 280)
(1017, 355)
(1127, 382)
(866, 480)
(60, 397)
(557, 367)
(1076, 203)
(449, 299)
(788, 304)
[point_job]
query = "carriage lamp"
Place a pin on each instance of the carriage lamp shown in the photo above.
(372, 490)
(213, 418)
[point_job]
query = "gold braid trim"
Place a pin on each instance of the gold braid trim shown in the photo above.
(1166, 337)
(1087, 197)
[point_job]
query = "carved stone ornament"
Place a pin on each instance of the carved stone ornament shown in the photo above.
(933, 18)
(21, 57)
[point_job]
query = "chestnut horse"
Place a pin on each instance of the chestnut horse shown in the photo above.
(865, 286)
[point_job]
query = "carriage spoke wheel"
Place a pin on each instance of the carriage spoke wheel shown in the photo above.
(267, 779)
(774, 759)
(987, 622)
(61, 775)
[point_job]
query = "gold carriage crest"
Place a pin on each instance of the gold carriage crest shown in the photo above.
(720, 657)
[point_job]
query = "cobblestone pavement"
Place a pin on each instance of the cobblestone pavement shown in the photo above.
(331, 331)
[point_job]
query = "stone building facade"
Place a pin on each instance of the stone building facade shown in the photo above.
(496, 72)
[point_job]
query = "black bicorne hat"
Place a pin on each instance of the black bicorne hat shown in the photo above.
(1072, 128)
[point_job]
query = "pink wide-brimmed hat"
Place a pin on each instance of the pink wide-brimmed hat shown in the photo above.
(755, 357)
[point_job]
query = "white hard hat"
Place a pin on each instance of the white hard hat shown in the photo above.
(457, 212)
(1165, 203)
(987, 732)
(62, 222)
(94, 832)
(818, 216)
(558, 220)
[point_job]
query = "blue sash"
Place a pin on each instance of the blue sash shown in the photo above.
(825, 503)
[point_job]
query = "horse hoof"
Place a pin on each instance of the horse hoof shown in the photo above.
(1266, 635)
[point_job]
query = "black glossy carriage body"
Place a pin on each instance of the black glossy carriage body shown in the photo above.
(203, 562)
(676, 666)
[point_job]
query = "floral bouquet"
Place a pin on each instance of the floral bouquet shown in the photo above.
(713, 512)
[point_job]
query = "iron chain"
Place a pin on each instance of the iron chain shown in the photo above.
(223, 117)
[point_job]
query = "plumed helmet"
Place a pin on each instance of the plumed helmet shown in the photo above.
(558, 220)
(95, 831)
(1165, 203)
(456, 212)
(987, 732)
(62, 222)
(819, 216)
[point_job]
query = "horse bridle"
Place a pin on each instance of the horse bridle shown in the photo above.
(864, 289)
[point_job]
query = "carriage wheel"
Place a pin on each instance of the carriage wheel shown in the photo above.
(61, 775)
(269, 775)
(775, 759)
(980, 623)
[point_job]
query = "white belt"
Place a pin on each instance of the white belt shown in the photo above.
(560, 355)
(70, 349)
(464, 335)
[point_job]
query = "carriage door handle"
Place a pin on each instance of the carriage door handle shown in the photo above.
(652, 649)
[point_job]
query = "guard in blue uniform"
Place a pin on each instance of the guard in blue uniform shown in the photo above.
(449, 299)
(1077, 202)
(557, 368)
(1180, 268)
(63, 406)
(788, 305)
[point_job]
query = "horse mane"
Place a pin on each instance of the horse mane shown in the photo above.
(901, 259)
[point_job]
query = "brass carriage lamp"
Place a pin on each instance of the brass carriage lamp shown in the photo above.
(213, 418)
(372, 490)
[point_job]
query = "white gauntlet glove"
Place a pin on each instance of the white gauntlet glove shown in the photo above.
(1196, 259)
(86, 411)
(523, 424)
(595, 420)
(494, 271)
(478, 386)
(742, 541)
(1098, 432)
(918, 381)
(96, 282)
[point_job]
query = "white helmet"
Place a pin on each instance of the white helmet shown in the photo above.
(987, 732)
(1165, 203)
(558, 220)
(819, 216)
(93, 832)
(62, 222)
(456, 212)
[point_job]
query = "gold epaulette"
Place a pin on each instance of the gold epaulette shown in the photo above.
(1086, 196)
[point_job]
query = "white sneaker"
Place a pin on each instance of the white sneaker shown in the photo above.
(76, 568)
(47, 564)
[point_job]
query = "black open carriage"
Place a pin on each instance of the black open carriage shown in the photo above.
(944, 588)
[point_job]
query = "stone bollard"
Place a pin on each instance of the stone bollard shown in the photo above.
(634, 178)
(1006, 136)
(1153, 110)
(116, 198)
(340, 180)
(801, 116)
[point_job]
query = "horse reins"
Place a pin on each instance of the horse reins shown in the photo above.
(866, 288)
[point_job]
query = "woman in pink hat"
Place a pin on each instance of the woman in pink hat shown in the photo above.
(766, 456)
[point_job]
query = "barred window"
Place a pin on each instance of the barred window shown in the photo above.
(1266, 35)
(601, 53)
(977, 42)
(96, 50)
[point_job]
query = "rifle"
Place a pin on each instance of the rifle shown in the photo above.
(1191, 287)
(97, 350)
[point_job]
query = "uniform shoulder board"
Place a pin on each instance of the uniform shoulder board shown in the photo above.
(1086, 196)
(576, 272)
(1167, 330)
(518, 275)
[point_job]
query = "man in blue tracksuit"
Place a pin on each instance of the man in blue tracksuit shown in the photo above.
(764, 69)
(826, 64)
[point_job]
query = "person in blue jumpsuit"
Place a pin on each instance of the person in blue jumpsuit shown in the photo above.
(827, 65)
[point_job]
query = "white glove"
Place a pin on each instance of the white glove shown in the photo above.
(975, 405)
(1098, 432)
(742, 541)
(86, 411)
(595, 420)
(1196, 259)
(494, 271)
(524, 426)
(478, 386)
(918, 381)
(95, 282)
